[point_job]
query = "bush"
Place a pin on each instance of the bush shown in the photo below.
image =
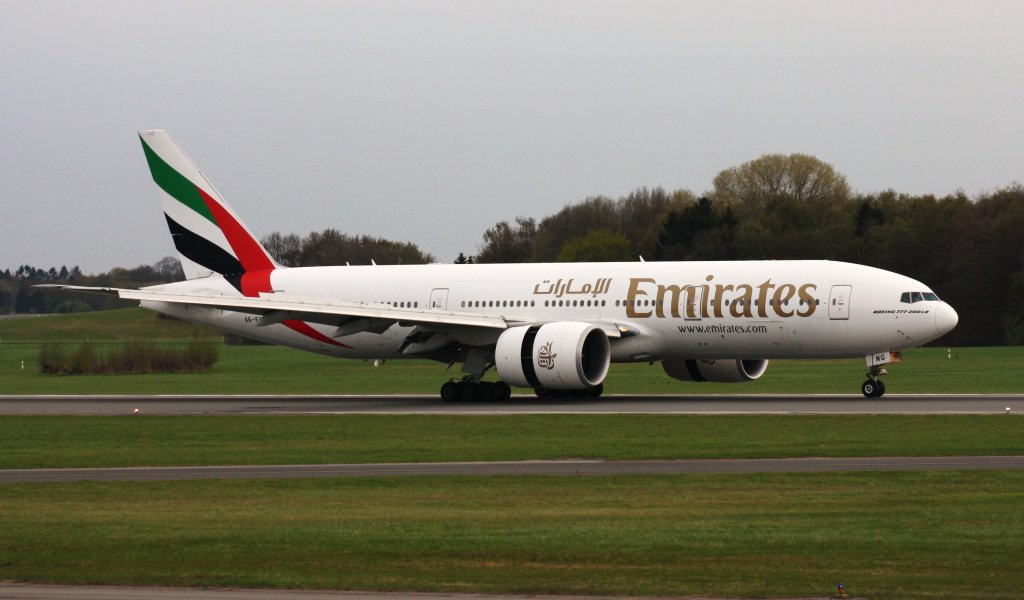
(52, 358)
(84, 360)
(132, 357)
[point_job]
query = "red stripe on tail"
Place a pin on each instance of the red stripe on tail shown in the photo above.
(257, 265)
(247, 249)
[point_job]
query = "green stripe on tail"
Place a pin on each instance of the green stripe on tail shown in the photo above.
(175, 184)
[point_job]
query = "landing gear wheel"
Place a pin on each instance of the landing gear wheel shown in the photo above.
(596, 391)
(504, 391)
(872, 388)
(488, 391)
(466, 391)
(449, 391)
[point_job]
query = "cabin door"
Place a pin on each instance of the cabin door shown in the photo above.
(839, 302)
(439, 299)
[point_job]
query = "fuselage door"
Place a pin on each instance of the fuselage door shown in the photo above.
(839, 302)
(439, 299)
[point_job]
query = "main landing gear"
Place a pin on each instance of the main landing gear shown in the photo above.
(467, 390)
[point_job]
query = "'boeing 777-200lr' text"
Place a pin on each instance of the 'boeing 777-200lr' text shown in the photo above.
(551, 327)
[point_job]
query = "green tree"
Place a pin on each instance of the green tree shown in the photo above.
(331, 247)
(506, 243)
(599, 245)
(699, 231)
(573, 221)
(762, 183)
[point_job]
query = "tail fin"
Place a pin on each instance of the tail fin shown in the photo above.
(208, 235)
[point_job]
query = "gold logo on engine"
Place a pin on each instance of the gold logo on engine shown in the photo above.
(545, 359)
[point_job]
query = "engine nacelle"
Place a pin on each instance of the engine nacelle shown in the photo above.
(720, 371)
(558, 356)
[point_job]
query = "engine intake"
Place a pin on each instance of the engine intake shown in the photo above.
(717, 370)
(564, 355)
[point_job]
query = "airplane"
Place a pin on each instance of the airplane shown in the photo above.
(552, 327)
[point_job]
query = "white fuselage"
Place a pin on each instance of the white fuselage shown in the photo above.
(693, 310)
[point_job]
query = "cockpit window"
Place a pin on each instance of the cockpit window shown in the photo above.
(912, 297)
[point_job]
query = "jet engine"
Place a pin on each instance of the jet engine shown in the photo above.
(717, 370)
(565, 355)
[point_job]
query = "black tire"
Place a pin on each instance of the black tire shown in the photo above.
(449, 392)
(504, 391)
(596, 391)
(487, 391)
(466, 391)
(872, 388)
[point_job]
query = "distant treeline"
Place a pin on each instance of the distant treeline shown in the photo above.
(18, 296)
(969, 250)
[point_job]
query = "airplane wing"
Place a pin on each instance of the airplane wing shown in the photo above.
(279, 307)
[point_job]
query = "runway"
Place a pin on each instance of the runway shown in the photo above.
(564, 468)
(732, 404)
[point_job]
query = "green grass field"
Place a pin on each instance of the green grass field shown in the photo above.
(79, 441)
(927, 535)
(275, 370)
(885, 535)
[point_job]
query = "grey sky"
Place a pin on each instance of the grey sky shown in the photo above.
(431, 121)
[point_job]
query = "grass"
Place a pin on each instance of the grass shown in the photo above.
(88, 441)
(276, 370)
(885, 535)
(911, 535)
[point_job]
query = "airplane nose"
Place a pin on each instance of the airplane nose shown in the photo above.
(945, 319)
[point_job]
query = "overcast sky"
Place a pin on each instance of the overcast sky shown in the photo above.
(430, 121)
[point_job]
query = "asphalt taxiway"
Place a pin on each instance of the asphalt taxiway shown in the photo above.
(732, 404)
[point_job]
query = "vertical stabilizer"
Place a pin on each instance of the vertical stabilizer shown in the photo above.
(209, 236)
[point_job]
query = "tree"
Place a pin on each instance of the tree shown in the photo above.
(22, 301)
(286, 249)
(169, 269)
(462, 259)
(573, 221)
(699, 231)
(642, 216)
(505, 243)
(331, 247)
(599, 245)
(868, 215)
(762, 183)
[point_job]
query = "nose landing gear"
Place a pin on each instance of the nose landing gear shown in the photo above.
(874, 387)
